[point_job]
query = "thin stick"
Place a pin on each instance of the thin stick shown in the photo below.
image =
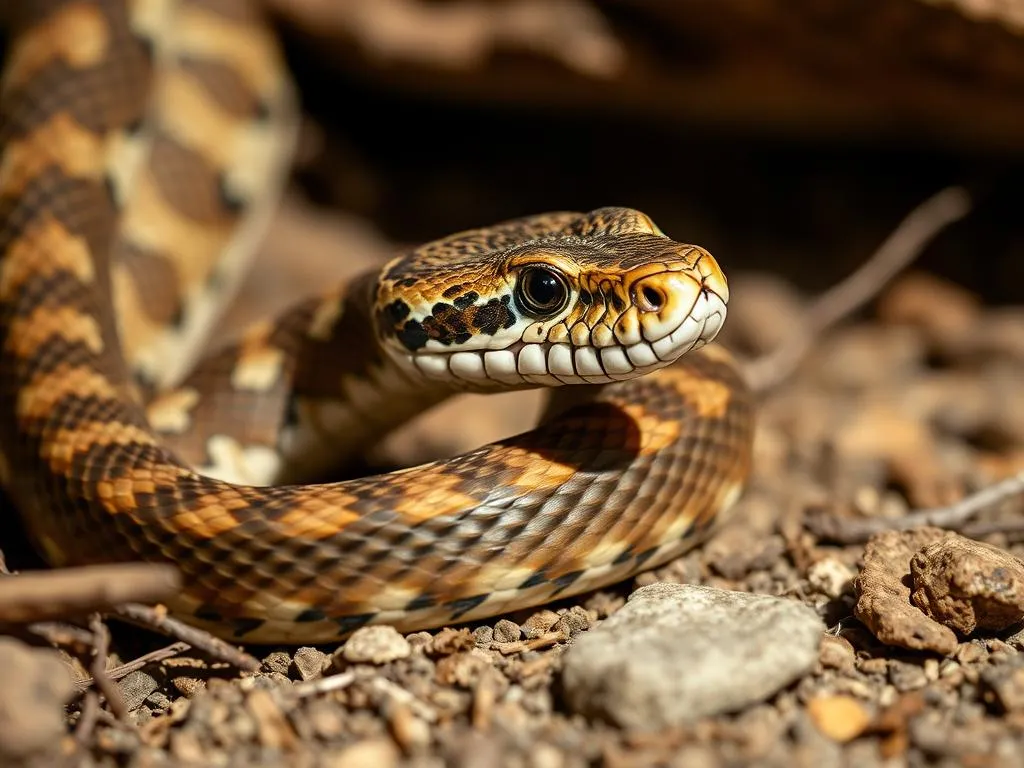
(898, 250)
(46, 595)
(98, 668)
(62, 635)
(153, 618)
(87, 716)
(323, 684)
(116, 673)
(953, 517)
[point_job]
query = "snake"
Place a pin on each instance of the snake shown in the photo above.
(144, 147)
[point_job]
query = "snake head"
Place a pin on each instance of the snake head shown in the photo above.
(604, 297)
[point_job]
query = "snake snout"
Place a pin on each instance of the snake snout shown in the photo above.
(665, 301)
(678, 309)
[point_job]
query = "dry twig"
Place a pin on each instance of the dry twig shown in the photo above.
(74, 639)
(897, 251)
(323, 684)
(153, 618)
(88, 714)
(953, 517)
(99, 667)
(47, 595)
(116, 673)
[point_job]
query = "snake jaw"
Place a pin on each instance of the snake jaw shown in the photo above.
(616, 326)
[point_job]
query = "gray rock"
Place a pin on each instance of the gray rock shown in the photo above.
(678, 652)
(310, 662)
(36, 686)
(375, 645)
(136, 687)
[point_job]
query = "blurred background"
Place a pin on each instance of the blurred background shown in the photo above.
(786, 136)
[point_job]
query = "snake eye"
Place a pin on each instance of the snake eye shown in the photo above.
(541, 292)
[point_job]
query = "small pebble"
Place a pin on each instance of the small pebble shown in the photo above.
(539, 624)
(971, 652)
(136, 687)
(375, 753)
(449, 641)
(831, 577)
(158, 701)
(375, 645)
(409, 731)
(483, 636)
(273, 729)
(186, 747)
(840, 718)
(573, 621)
(837, 653)
(419, 639)
(1003, 686)
(309, 662)
(546, 756)
(327, 719)
(462, 669)
(906, 677)
(188, 686)
(278, 661)
(873, 666)
(506, 631)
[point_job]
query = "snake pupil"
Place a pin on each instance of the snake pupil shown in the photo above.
(542, 291)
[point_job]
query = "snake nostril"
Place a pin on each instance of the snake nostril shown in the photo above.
(651, 299)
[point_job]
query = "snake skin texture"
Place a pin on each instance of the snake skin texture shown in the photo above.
(143, 144)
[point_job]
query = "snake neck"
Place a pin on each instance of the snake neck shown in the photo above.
(313, 391)
(349, 393)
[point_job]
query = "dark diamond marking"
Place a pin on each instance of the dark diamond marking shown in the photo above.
(466, 604)
(262, 111)
(565, 580)
(624, 557)
(244, 626)
(421, 602)
(232, 202)
(291, 411)
(311, 614)
(644, 556)
(351, 623)
(535, 580)
(208, 613)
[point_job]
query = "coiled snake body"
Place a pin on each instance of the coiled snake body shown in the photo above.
(143, 143)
